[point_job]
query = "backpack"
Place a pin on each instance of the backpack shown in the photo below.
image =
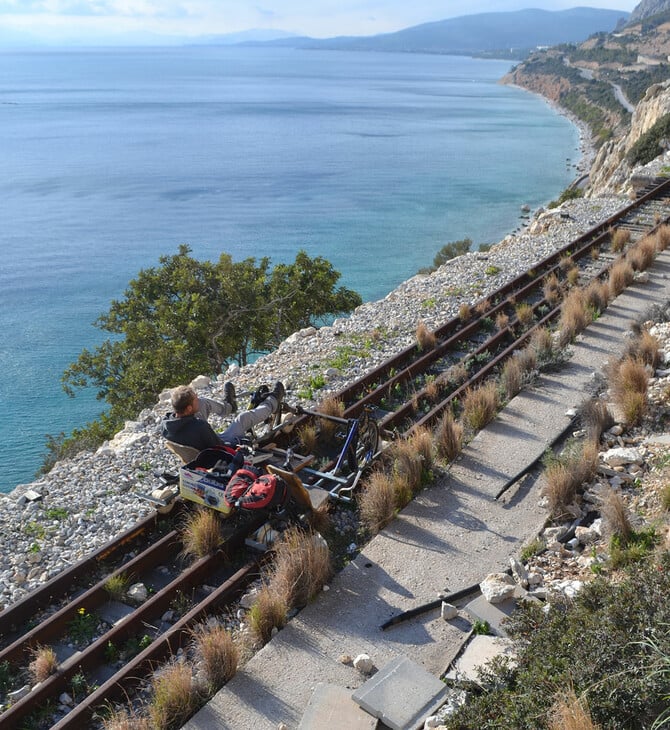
(238, 485)
(266, 492)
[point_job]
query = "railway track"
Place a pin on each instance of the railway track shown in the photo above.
(124, 641)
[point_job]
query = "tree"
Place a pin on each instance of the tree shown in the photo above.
(447, 252)
(186, 317)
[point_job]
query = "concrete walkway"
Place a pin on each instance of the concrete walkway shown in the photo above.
(451, 536)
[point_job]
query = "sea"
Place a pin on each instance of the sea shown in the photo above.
(114, 157)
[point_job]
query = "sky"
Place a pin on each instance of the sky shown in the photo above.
(79, 19)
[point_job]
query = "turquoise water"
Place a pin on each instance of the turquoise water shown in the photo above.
(114, 157)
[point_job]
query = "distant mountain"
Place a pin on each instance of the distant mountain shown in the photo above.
(256, 35)
(505, 33)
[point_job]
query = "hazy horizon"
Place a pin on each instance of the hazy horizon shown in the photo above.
(89, 22)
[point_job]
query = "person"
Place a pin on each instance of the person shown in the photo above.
(188, 425)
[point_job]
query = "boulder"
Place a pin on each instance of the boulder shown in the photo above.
(497, 587)
(622, 456)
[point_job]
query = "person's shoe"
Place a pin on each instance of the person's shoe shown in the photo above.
(229, 396)
(278, 392)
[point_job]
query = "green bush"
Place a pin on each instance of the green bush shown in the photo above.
(447, 252)
(648, 147)
(597, 643)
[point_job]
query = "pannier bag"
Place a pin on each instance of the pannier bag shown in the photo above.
(238, 485)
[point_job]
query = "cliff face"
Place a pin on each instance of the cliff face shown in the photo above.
(610, 170)
(647, 8)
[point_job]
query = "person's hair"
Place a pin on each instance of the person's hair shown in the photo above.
(182, 397)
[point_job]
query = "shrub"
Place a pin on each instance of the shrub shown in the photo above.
(449, 437)
(173, 697)
(480, 405)
(218, 652)
(377, 502)
(202, 533)
(598, 643)
(425, 338)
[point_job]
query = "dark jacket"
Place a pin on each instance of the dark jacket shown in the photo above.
(190, 431)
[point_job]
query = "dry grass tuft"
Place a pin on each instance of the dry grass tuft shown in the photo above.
(566, 263)
(302, 566)
(308, 435)
(267, 613)
(620, 237)
(575, 316)
(597, 295)
(407, 466)
(173, 696)
(552, 289)
(502, 320)
(595, 253)
(527, 359)
(542, 343)
(465, 312)
(125, 719)
(480, 405)
(44, 663)
(202, 533)
(629, 380)
(432, 389)
(645, 348)
(425, 338)
(596, 418)
(377, 502)
(482, 307)
(621, 275)
(572, 275)
(449, 437)
(330, 407)
(219, 653)
(641, 256)
(116, 586)
(565, 474)
(457, 374)
(421, 440)
(663, 238)
(511, 377)
(617, 518)
(570, 713)
(524, 313)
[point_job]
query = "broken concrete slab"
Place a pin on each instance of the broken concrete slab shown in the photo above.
(494, 614)
(402, 694)
(113, 612)
(477, 653)
(331, 706)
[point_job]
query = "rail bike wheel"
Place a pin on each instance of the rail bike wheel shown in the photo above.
(367, 443)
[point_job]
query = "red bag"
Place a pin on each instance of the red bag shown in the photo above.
(267, 492)
(241, 480)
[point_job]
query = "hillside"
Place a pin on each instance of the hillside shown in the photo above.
(509, 34)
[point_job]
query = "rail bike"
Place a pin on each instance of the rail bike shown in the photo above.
(285, 468)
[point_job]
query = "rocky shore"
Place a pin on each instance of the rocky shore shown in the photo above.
(83, 502)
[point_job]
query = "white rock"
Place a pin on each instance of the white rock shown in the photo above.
(201, 381)
(138, 592)
(363, 664)
(622, 456)
(519, 572)
(586, 535)
(497, 587)
(448, 611)
(65, 699)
